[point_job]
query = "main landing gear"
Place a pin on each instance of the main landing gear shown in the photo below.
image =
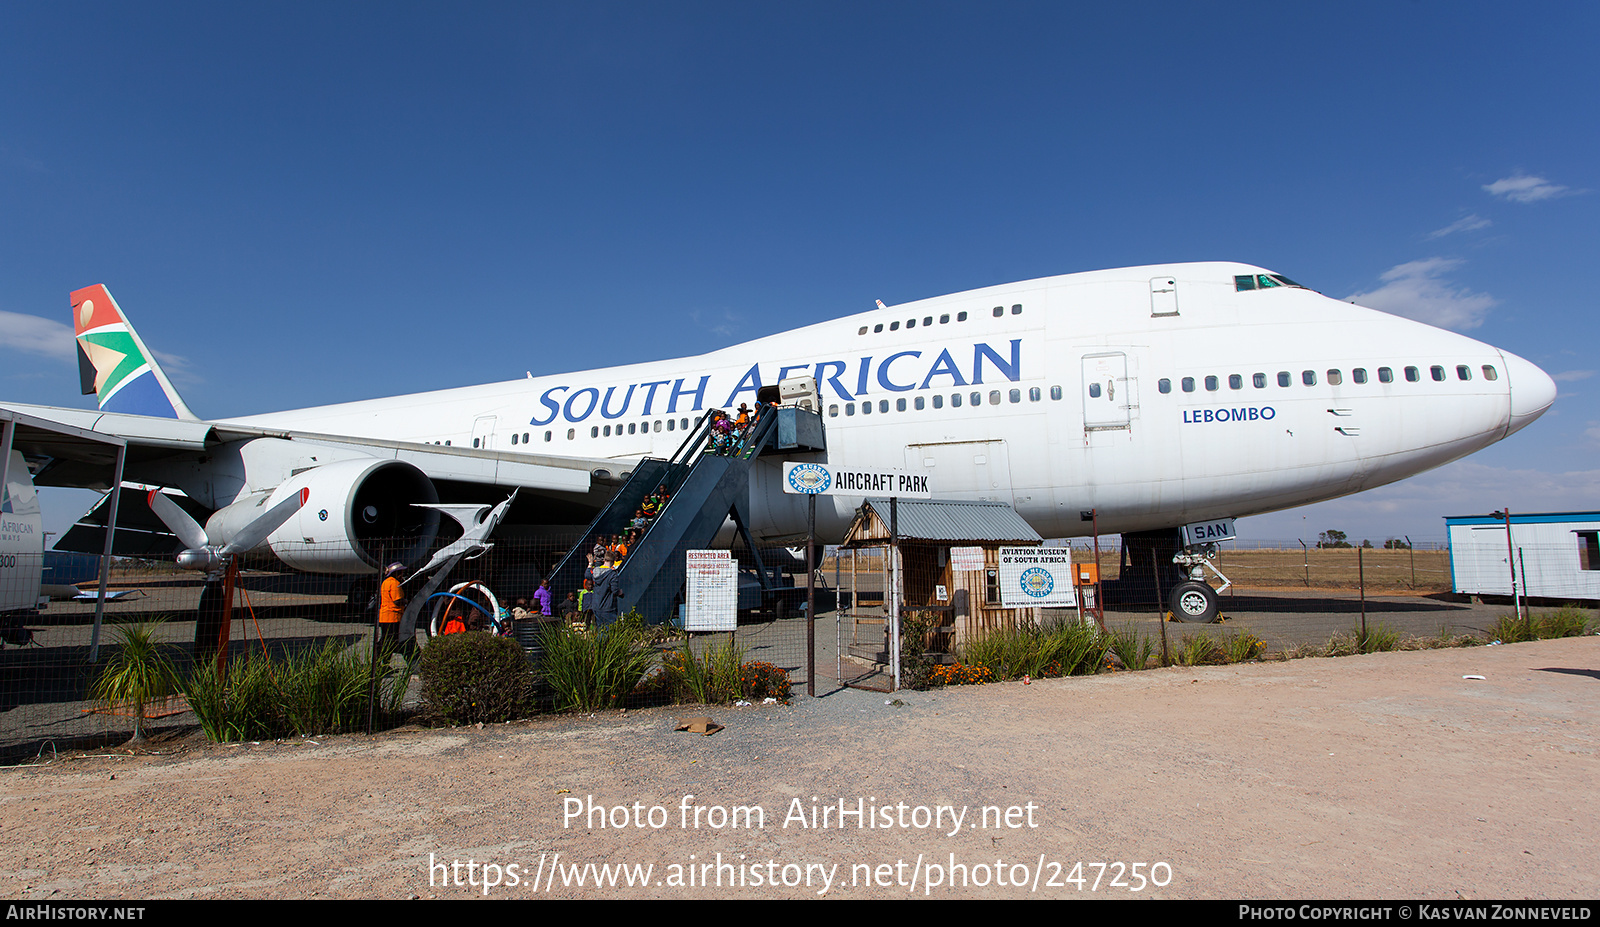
(1193, 599)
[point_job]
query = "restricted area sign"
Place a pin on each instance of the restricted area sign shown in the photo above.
(1034, 577)
(711, 591)
(820, 479)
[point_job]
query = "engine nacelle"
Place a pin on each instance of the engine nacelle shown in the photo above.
(360, 516)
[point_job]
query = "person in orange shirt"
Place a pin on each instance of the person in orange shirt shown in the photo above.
(391, 607)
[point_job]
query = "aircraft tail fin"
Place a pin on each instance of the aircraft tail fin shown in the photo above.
(114, 364)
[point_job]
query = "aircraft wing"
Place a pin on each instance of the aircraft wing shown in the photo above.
(63, 461)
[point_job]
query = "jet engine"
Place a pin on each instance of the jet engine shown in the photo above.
(359, 515)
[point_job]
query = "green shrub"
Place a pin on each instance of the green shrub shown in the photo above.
(475, 677)
(320, 690)
(1200, 650)
(595, 668)
(1242, 646)
(140, 671)
(762, 680)
(1566, 621)
(1066, 648)
(1132, 648)
(711, 677)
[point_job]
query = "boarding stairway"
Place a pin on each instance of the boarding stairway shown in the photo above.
(707, 485)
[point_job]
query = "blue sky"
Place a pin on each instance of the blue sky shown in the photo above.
(306, 203)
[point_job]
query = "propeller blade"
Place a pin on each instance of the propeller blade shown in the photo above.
(269, 521)
(182, 523)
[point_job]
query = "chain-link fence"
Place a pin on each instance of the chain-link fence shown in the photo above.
(53, 657)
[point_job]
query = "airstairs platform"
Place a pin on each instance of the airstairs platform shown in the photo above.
(708, 481)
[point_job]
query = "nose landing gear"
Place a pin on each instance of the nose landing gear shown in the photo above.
(1193, 600)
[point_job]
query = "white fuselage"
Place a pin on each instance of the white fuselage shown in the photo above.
(1057, 395)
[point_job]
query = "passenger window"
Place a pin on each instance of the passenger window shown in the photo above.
(1017, 309)
(849, 408)
(672, 421)
(1283, 378)
(866, 407)
(894, 326)
(1438, 373)
(1164, 385)
(1055, 392)
(571, 433)
(863, 330)
(1385, 375)
(938, 400)
(514, 437)
(474, 442)
(1463, 372)
(944, 319)
(1489, 373)
(658, 425)
(999, 311)
(899, 405)
(1235, 381)
(1259, 380)
(1034, 394)
(920, 403)
(976, 399)
(877, 328)
(1413, 375)
(961, 317)
(883, 405)
(547, 437)
(607, 431)
(911, 323)
(1335, 378)
(1308, 377)
(1094, 390)
(630, 428)
(833, 411)
(1359, 374)
(955, 400)
(594, 431)
(994, 397)
(1188, 384)
(1211, 384)
(1015, 395)
(928, 320)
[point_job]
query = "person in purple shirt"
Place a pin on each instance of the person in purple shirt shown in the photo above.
(542, 594)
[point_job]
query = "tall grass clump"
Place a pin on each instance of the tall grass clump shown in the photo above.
(139, 672)
(1132, 648)
(711, 677)
(595, 668)
(1065, 648)
(475, 677)
(320, 690)
(1566, 621)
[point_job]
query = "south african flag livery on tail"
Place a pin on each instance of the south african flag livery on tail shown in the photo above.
(113, 362)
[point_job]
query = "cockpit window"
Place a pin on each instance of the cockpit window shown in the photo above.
(1243, 282)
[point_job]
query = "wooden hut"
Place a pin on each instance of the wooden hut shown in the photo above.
(924, 531)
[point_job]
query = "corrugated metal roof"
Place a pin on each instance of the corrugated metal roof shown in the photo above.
(942, 520)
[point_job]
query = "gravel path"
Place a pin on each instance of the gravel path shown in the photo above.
(1383, 776)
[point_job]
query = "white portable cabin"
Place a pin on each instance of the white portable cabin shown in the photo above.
(1556, 554)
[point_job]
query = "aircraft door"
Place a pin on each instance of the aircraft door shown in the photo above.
(483, 431)
(1163, 296)
(979, 470)
(1108, 399)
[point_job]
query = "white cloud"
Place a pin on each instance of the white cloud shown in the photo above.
(1415, 291)
(1569, 376)
(36, 335)
(1521, 188)
(1464, 224)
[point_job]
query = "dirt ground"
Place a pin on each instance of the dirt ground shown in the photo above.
(1385, 776)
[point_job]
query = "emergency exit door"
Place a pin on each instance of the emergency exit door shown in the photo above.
(1107, 394)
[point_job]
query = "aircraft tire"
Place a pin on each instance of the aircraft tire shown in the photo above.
(1193, 602)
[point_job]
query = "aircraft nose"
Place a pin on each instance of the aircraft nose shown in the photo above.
(1532, 391)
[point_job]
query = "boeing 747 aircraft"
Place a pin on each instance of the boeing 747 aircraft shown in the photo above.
(1155, 396)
